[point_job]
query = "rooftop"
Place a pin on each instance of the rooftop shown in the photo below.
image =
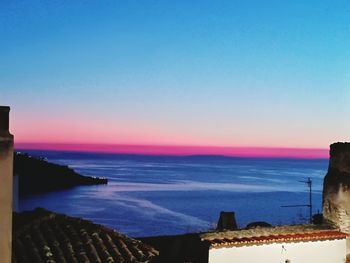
(43, 236)
(266, 235)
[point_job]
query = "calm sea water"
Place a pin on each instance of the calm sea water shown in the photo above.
(159, 195)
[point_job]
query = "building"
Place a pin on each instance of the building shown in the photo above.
(283, 244)
(336, 189)
(6, 177)
(43, 236)
(326, 243)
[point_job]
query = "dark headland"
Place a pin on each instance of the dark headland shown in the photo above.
(36, 175)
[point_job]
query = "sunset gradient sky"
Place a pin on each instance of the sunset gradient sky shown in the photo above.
(184, 73)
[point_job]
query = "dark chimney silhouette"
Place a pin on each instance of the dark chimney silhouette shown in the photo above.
(4, 119)
(227, 221)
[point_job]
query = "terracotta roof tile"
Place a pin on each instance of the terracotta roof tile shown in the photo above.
(258, 236)
(43, 236)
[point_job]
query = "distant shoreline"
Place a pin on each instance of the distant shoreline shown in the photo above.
(37, 175)
(181, 151)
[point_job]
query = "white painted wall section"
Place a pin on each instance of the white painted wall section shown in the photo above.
(328, 251)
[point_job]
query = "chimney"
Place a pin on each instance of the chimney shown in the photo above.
(6, 170)
(227, 221)
(336, 189)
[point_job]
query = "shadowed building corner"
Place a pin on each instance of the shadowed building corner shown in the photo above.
(6, 178)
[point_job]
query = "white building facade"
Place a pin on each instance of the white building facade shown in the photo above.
(321, 246)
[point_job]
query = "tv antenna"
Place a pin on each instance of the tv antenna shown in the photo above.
(308, 182)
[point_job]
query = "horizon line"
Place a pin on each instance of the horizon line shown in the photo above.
(182, 150)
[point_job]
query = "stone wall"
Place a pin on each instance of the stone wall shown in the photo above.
(336, 188)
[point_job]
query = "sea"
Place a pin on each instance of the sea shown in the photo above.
(166, 195)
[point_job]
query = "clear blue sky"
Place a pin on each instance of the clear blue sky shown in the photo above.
(212, 73)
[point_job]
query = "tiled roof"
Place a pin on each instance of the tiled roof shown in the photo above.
(266, 235)
(43, 236)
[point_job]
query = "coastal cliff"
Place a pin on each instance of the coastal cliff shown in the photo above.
(336, 188)
(37, 175)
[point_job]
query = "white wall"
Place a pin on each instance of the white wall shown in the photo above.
(302, 252)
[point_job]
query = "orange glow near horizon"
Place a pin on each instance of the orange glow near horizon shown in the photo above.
(259, 152)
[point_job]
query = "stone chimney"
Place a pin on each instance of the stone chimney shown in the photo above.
(6, 174)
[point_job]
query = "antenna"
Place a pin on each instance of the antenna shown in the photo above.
(308, 182)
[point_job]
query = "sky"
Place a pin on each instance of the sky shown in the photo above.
(256, 74)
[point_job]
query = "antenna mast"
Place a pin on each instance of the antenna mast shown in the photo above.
(308, 182)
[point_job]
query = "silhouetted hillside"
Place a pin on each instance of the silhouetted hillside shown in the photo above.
(37, 175)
